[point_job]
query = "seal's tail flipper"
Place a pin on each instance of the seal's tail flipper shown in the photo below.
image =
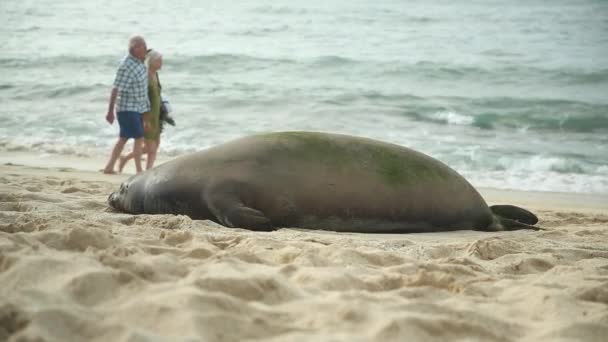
(505, 224)
(510, 217)
(514, 213)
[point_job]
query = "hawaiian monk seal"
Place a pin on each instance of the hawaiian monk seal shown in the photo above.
(316, 181)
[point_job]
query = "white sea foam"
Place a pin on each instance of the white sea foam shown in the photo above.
(452, 118)
(540, 181)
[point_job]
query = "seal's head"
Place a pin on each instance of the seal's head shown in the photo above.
(130, 197)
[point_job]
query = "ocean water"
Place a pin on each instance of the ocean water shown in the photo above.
(512, 94)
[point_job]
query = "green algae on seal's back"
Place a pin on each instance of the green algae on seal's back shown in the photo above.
(395, 164)
(316, 181)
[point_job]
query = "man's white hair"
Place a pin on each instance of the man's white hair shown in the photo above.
(135, 40)
(152, 56)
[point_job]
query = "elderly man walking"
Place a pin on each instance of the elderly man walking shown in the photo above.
(131, 90)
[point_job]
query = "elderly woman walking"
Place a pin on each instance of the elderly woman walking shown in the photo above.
(151, 119)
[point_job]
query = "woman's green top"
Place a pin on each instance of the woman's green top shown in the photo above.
(154, 115)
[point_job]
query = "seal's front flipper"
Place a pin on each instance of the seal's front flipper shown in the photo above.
(244, 217)
(514, 213)
(226, 204)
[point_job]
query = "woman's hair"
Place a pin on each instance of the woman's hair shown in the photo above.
(151, 56)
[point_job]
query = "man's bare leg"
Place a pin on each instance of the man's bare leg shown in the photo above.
(118, 147)
(124, 159)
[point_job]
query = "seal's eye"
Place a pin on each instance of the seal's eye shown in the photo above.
(123, 187)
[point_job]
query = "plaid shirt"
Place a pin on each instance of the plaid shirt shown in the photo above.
(132, 83)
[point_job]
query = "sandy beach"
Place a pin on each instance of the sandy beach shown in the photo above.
(71, 269)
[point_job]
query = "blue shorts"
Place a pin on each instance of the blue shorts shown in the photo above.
(131, 125)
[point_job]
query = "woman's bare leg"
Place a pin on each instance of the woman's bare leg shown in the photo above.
(152, 148)
(138, 146)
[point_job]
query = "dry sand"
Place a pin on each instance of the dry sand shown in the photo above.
(73, 270)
